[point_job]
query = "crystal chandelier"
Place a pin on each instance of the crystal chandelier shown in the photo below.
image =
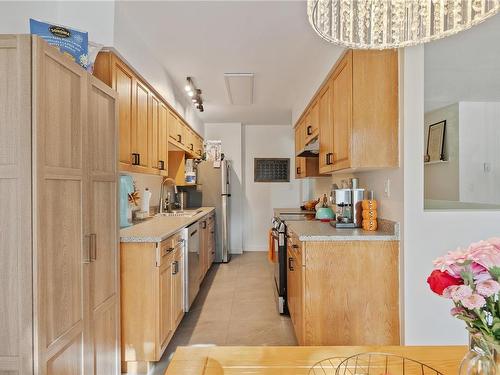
(380, 24)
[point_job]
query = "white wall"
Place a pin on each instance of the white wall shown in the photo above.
(479, 140)
(442, 179)
(128, 42)
(232, 146)
(259, 198)
(429, 234)
(111, 24)
(95, 17)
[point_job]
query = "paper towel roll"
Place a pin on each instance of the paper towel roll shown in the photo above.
(146, 197)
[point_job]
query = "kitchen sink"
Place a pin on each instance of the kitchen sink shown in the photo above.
(181, 213)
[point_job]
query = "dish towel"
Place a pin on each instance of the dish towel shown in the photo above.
(270, 251)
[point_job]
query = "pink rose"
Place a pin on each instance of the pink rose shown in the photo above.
(460, 292)
(484, 254)
(450, 262)
(495, 241)
(488, 288)
(474, 301)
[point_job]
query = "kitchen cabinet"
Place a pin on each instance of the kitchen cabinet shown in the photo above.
(158, 151)
(304, 166)
(59, 248)
(140, 126)
(149, 127)
(152, 299)
(207, 244)
(358, 113)
(177, 288)
(342, 116)
(334, 300)
(295, 286)
(311, 125)
(325, 129)
(163, 139)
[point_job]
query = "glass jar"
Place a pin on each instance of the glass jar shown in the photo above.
(483, 358)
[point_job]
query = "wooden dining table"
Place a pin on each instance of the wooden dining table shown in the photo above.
(298, 360)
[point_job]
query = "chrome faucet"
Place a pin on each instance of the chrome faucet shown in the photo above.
(166, 204)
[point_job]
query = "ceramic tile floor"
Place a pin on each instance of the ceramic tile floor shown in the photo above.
(235, 306)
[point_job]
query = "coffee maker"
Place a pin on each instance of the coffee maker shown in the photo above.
(348, 206)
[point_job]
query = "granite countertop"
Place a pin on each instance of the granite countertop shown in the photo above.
(160, 228)
(319, 231)
(282, 211)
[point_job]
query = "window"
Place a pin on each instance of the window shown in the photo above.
(272, 170)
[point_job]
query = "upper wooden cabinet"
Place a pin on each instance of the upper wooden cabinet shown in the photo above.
(304, 166)
(147, 123)
(311, 126)
(357, 111)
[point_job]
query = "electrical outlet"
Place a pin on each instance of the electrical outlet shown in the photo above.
(487, 167)
(387, 188)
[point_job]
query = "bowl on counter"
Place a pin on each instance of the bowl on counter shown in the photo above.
(325, 214)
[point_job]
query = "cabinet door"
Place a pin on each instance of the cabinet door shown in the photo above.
(154, 133)
(290, 284)
(211, 240)
(16, 341)
(203, 248)
(163, 137)
(325, 131)
(165, 299)
(140, 125)
(173, 127)
(60, 256)
(103, 213)
(177, 287)
(123, 82)
(312, 126)
(298, 144)
(342, 115)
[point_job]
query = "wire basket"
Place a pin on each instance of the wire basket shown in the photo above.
(372, 364)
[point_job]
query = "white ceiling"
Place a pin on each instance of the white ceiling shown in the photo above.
(464, 67)
(205, 39)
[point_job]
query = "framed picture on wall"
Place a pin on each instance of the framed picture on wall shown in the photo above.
(435, 142)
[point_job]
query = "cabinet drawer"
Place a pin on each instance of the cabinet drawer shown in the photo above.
(165, 249)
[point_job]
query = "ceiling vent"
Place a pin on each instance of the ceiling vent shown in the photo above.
(239, 87)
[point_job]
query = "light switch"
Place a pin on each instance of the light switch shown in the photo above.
(387, 188)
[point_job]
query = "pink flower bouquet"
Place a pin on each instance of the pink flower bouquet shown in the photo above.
(470, 278)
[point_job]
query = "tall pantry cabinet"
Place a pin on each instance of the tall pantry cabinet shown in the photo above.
(59, 298)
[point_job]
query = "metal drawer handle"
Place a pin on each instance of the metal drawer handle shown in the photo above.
(290, 265)
(93, 247)
(161, 165)
(309, 130)
(179, 138)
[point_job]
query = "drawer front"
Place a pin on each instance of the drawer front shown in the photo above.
(165, 250)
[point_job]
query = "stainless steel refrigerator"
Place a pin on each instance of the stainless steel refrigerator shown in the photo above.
(216, 192)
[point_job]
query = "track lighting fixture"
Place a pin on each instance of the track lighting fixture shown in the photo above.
(194, 93)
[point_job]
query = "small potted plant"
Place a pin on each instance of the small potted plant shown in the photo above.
(470, 279)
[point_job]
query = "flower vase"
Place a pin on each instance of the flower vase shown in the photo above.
(483, 358)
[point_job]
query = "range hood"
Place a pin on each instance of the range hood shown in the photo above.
(311, 149)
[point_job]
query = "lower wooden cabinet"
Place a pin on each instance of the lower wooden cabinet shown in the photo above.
(59, 223)
(344, 292)
(152, 300)
(207, 244)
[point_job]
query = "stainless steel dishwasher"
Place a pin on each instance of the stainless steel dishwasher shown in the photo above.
(192, 267)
